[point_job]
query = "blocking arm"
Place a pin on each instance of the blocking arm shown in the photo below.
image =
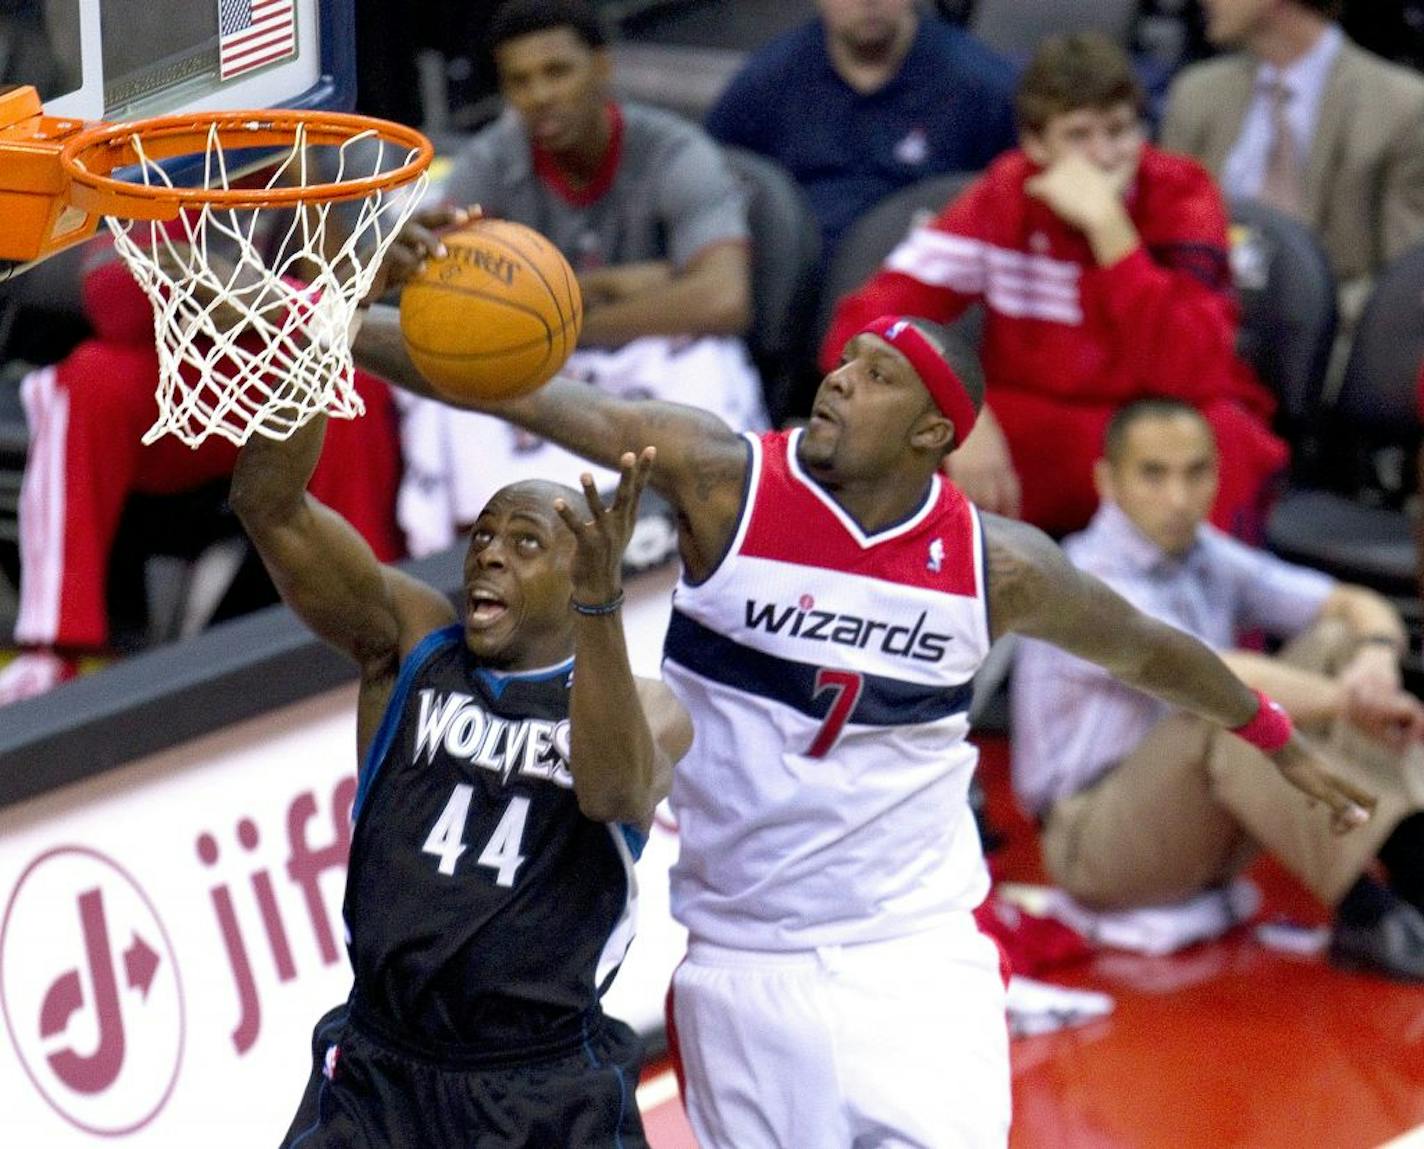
(1034, 590)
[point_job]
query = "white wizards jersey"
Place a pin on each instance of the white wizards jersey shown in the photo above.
(825, 797)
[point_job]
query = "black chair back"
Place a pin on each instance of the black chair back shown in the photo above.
(741, 25)
(874, 235)
(786, 250)
(1016, 27)
(1379, 393)
(1288, 316)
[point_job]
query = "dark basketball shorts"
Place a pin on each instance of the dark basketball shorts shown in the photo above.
(365, 1095)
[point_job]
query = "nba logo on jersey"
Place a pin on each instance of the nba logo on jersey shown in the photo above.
(936, 559)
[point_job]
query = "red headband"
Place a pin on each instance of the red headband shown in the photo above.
(937, 375)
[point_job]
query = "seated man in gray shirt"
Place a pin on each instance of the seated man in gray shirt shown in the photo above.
(645, 209)
(1141, 805)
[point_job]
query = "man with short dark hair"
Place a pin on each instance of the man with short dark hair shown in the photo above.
(869, 97)
(645, 209)
(509, 766)
(1142, 804)
(1300, 117)
(1102, 266)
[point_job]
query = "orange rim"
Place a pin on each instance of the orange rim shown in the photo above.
(90, 157)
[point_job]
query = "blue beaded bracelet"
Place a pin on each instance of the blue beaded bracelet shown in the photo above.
(599, 608)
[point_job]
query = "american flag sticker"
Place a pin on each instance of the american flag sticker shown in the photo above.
(254, 33)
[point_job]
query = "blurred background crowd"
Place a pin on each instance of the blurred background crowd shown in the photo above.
(1187, 237)
(843, 124)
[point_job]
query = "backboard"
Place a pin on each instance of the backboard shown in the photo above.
(121, 60)
(127, 59)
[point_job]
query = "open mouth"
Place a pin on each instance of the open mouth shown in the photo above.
(485, 608)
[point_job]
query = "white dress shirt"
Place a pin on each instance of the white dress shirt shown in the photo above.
(1305, 79)
(1071, 719)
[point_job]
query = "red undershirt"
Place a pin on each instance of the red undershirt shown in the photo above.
(546, 167)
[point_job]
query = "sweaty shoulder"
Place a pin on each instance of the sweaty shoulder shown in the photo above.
(1022, 563)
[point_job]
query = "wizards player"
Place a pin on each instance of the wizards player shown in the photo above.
(837, 595)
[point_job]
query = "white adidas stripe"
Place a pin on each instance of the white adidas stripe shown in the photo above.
(1014, 282)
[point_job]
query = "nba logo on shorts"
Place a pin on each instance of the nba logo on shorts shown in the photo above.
(90, 992)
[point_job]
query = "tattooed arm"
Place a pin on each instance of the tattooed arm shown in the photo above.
(702, 464)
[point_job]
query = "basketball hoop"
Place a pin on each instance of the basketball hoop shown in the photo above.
(254, 287)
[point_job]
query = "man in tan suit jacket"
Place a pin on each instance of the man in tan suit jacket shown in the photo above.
(1357, 120)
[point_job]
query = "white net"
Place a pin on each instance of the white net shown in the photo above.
(254, 307)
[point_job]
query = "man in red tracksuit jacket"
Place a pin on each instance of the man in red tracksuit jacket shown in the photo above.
(1102, 264)
(86, 415)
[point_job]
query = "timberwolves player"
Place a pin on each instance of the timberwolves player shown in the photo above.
(510, 764)
(837, 595)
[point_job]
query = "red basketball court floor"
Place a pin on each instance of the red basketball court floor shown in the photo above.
(1224, 1045)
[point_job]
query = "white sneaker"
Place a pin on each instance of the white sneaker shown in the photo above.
(1036, 1007)
(34, 672)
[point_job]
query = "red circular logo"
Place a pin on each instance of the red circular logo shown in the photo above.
(90, 991)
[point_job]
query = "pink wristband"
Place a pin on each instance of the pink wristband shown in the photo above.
(1270, 729)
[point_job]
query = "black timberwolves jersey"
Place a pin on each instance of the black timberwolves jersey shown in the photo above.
(486, 913)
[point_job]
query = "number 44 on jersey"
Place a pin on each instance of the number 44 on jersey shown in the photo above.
(501, 851)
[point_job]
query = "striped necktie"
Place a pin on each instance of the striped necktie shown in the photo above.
(1283, 185)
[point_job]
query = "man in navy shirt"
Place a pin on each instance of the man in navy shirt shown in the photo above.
(867, 99)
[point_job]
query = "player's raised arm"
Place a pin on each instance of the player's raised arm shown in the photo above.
(1034, 590)
(703, 460)
(625, 733)
(320, 564)
(590, 423)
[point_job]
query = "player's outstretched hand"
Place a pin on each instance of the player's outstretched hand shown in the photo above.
(598, 561)
(1306, 770)
(418, 241)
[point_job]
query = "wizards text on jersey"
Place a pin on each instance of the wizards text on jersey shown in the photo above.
(812, 625)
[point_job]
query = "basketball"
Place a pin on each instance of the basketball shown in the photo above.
(495, 318)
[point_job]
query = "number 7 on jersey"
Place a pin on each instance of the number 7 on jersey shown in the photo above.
(847, 685)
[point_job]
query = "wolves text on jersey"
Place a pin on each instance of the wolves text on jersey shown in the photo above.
(848, 630)
(534, 747)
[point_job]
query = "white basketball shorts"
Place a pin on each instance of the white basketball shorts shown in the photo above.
(896, 1043)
